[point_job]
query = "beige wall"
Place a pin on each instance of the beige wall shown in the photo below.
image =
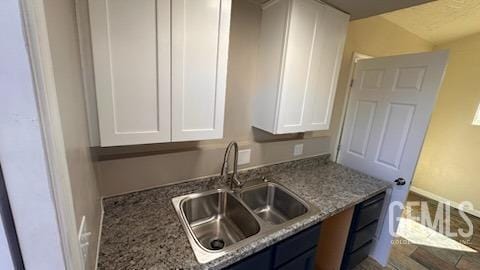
(137, 173)
(125, 169)
(64, 44)
(376, 37)
(449, 162)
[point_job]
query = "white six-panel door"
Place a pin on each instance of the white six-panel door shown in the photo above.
(131, 53)
(390, 105)
(200, 33)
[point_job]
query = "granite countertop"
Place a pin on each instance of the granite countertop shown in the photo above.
(141, 230)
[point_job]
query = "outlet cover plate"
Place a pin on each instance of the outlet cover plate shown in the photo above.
(83, 239)
(298, 149)
(244, 156)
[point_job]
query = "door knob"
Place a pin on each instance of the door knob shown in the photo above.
(400, 181)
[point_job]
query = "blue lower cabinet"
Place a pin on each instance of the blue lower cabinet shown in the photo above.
(260, 260)
(294, 253)
(306, 261)
(296, 245)
(362, 231)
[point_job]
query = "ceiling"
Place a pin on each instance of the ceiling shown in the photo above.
(359, 9)
(440, 21)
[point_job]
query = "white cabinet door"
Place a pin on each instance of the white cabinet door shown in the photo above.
(131, 47)
(270, 62)
(300, 48)
(200, 35)
(301, 79)
(324, 69)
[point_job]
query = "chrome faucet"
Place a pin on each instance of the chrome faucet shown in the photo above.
(235, 183)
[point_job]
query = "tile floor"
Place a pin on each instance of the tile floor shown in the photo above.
(419, 248)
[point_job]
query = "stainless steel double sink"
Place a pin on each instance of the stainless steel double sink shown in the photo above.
(221, 221)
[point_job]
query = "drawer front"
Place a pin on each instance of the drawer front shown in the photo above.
(363, 236)
(368, 213)
(260, 260)
(374, 199)
(296, 245)
(356, 257)
(306, 261)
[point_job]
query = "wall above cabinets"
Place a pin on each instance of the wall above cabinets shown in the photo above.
(160, 69)
(301, 46)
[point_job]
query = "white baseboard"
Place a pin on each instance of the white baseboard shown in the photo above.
(99, 232)
(473, 212)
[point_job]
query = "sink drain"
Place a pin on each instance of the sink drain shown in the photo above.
(217, 244)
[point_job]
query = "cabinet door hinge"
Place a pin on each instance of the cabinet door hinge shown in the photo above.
(351, 83)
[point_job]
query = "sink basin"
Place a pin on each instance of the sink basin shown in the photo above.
(218, 219)
(273, 203)
(219, 222)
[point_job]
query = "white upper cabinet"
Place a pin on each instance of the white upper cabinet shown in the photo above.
(199, 68)
(132, 70)
(301, 46)
(160, 69)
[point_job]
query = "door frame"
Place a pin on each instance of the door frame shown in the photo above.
(56, 203)
(356, 56)
(8, 225)
(36, 33)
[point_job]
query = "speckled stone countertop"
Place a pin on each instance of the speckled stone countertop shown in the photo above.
(141, 230)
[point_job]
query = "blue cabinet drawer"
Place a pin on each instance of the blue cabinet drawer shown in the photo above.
(296, 252)
(363, 236)
(369, 211)
(296, 245)
(362, 231)
(306, 261)
(356, 257)
(372, 200)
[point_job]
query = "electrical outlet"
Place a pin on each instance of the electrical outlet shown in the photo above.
(244, 156)
(83, 239)
(298, 149)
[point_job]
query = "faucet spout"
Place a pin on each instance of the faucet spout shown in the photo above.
(235, 183)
